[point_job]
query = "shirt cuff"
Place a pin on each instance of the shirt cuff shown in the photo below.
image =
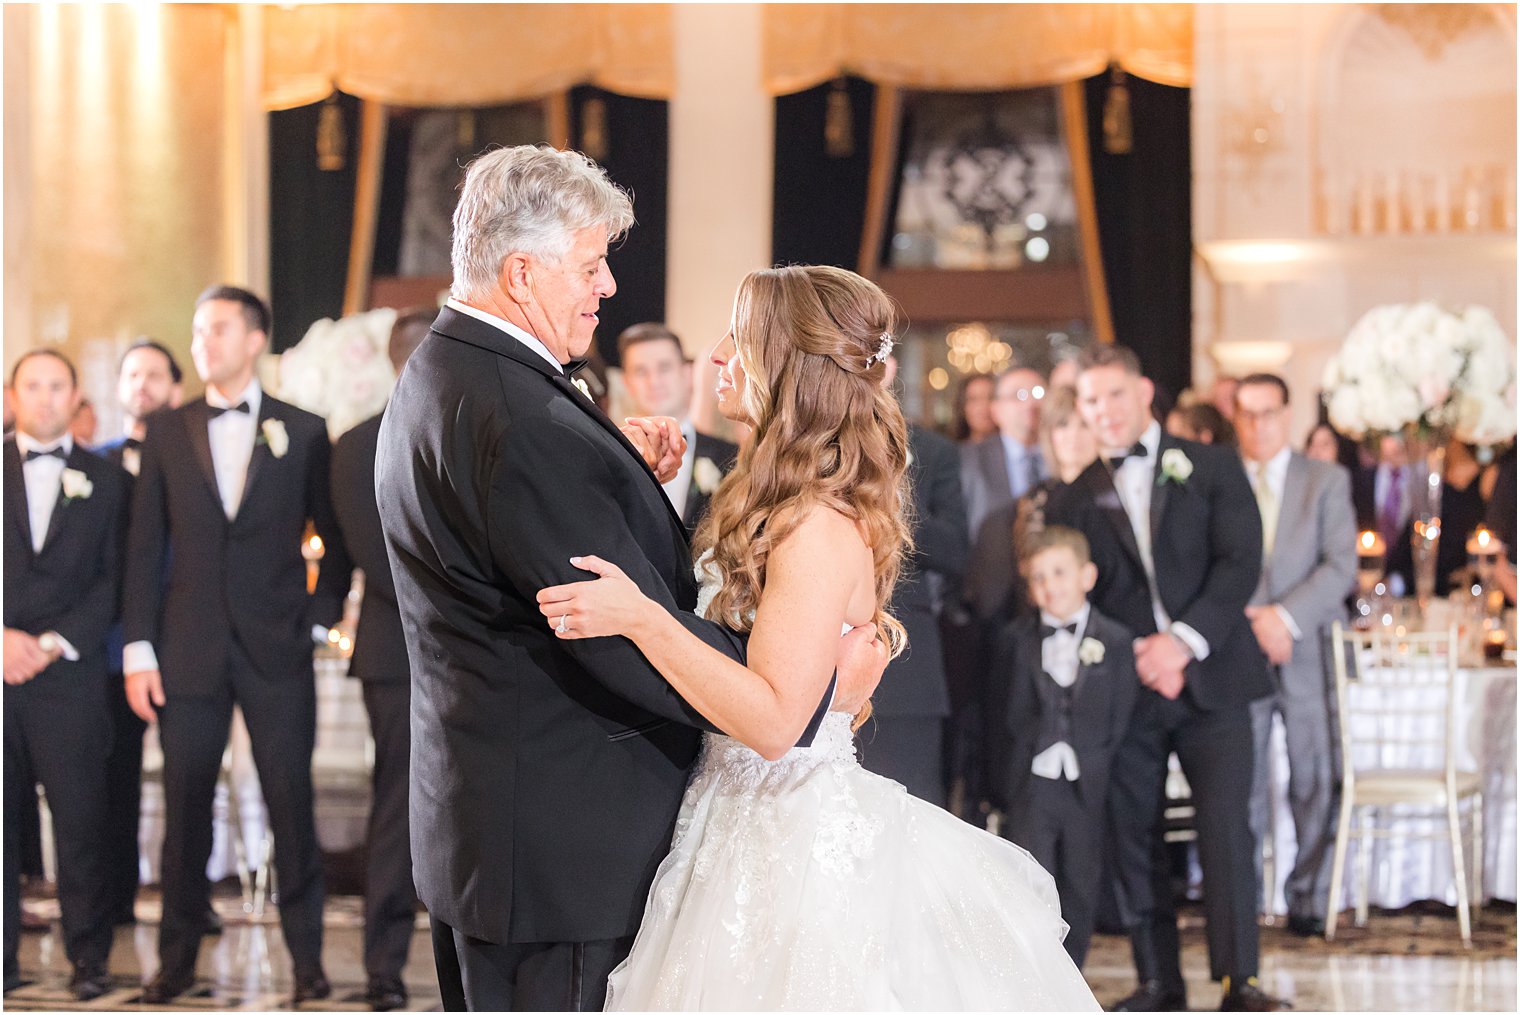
(1195, 642)
(1288, 621)
(139, 656)
(319, 634)
(69, 652)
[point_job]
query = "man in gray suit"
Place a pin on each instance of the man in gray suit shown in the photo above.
(999, 470)
(1308, 567)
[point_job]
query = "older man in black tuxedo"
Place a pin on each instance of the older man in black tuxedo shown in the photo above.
(546, 773)
(379, 660)
(228, 486)
(1176, 537)
(64, 509)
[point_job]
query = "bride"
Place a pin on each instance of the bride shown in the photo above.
(796, 879)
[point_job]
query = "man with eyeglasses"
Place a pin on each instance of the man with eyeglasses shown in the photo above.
(1000, 469)
(1308, 567)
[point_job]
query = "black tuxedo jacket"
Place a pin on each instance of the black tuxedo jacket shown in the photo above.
(379, 644)
(722, 454)
(914, 683)
(1206, 544)
(1102, 699)
(72, 586)
(546, 774)
(195, 580)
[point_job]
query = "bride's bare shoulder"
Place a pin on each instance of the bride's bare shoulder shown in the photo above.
(821, 535)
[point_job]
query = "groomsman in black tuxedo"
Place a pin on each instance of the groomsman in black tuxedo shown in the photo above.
(905, 738)
(228, 485)
(659, 375)
(380, 662)
(148, 380)
(1176, 537)
(64, 511)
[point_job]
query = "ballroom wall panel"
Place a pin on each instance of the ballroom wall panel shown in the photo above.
(122, 187)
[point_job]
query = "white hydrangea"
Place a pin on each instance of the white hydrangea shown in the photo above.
(341, 370)
(1416, 364)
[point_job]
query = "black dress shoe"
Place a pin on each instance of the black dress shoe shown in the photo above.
(311, 988)
(212, 924)
(1250, 997)
(90, 981)
(1152, 996)
(164, 988)
(1306, 926)
(385, 993)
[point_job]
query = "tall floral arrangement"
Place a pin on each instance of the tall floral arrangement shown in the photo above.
(1417, 367)
(341, 369)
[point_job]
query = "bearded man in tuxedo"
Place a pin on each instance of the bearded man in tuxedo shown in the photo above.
(216, 612)
(546, 773)
(148, 380)
(1176, 536)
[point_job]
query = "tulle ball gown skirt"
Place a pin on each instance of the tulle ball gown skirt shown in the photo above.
(810, 883)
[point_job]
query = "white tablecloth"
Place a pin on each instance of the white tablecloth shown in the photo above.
(1409, 870)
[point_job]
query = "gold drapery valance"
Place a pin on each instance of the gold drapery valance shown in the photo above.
(464, 54)
(974, 47)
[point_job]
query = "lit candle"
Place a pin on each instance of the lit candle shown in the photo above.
(1482, 544)
(1370, 544)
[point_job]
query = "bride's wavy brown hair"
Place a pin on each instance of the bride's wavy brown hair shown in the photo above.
(826, 432)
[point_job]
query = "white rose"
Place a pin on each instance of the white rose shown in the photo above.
(276, 437)
(1175, 465)
(1090, 652)
(1346, 411)
(706, 474)
(76, 485)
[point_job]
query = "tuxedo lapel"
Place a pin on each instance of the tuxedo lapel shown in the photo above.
(261, 452)
(15, 494)
(197, 416)
(589, 407)
(1105, 497)
(1160, 490)
(63, 505)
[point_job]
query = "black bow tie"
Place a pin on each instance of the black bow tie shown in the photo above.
(1046, 630)
(57, 453)
(1135, 450)
(217, 410)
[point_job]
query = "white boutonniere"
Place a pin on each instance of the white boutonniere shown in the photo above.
(1090, 652)
(706, 474)
(272, 432)
(76, 486)
(1175, 465)
(581, 386)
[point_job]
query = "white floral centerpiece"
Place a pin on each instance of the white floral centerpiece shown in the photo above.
(1417, 367)
(341, 370)
(1430, 375)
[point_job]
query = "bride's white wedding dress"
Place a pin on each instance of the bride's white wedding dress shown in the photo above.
(810, 883)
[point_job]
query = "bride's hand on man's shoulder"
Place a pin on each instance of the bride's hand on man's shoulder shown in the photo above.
(660, 440)
(606, 605)
(862, 660)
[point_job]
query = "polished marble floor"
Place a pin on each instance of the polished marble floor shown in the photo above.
(1410, 961)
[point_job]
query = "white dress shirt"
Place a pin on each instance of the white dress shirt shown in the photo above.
(43, 478)
(1135, 479)
(680, 484)
(1274, 472)
(1026, 466)
(502, 324)
(232, 438)
(1058, 658)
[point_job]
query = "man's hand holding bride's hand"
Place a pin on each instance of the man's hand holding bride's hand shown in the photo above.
(660, 440)
(608, 604)
(862, 660)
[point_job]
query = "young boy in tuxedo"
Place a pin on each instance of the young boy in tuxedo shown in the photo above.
(1071, 683)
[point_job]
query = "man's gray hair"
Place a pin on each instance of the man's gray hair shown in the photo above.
(530, 199)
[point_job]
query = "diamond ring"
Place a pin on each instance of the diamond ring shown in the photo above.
(561, 629)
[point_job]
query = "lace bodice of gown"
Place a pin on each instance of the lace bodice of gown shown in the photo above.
(835, 741)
